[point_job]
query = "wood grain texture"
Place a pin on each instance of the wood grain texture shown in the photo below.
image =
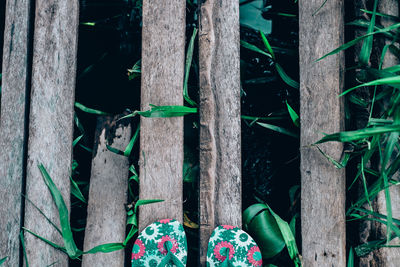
(106, 219)
(13, 121)
(161, 139)
(50, 122)
(220, 132)
(388, 257)
(322, 185)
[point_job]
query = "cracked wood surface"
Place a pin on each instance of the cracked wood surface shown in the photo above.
(220, 132)
(322, 185)
(50, 123)
(13, 121)
(106, 219)
(161, 139)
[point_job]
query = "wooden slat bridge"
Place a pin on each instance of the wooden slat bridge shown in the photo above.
(37, 113)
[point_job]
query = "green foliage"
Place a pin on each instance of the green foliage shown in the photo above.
(163, 112)
(69, 247)
(270, 232)
(380, 137)
(3, 260)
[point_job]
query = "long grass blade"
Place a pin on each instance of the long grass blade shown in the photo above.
(254, 48)
(3, 260)
(366, 48)
(21, 237)
(358, 39)
(69, 243)
(189, 56)
(349, 136)
(90, 110)
(278, 129)
(391, 81)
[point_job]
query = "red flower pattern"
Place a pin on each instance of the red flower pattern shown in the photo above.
(141, 251)
(228, 227)
(219, 246)
(250, 256)
(164, 239)
(165, 221)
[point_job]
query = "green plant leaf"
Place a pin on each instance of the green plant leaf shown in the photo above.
(69, 243)
(293, 115)
(278, 129)
(163, 112)
(76, 192)
(21, 237)
(267, 45)
(270, 232)
(261, 225)
(54, 245)
(128, 149)
(366, 48)
(349, 136)
(350, 261)
(106, 248)
(90, 110)
(254, 48)
(135, 71)
(358, 39)
(395, 18)
(318, 9)
(289, 81)
(77, 140)
(3, 260)
(142, 202)
(391, 81)
(189, 56)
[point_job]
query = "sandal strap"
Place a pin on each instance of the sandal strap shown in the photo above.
(170, 257)
(227, 262)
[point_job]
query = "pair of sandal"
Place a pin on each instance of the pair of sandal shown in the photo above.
(163, 243)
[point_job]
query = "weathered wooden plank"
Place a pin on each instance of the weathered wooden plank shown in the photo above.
(220, 132)
(13, 121)
(388, 257)
(161, 139)
(322, 185)
(50, 122)
(106, 219)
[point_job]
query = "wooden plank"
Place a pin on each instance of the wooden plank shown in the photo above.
(106, 220)
(13, 121)
(388, 257)
(161, 139)
(220, 132)
(50, 122)
(322, 185)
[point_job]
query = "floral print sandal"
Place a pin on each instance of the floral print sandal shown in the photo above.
(162, 243)
(232, 247)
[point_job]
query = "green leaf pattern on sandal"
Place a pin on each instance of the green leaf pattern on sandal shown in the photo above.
(149, 249)
(243, 250)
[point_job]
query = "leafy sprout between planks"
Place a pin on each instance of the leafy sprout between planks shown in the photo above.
(378, 141)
